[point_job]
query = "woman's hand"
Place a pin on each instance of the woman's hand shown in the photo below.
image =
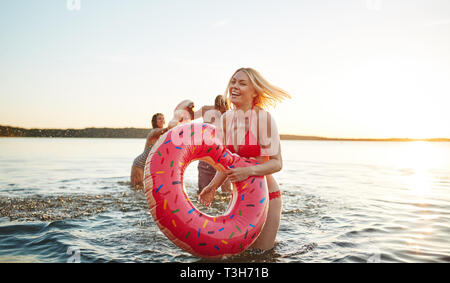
(207, 195)
(239, 174)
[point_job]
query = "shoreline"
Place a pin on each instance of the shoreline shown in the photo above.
(8, 131)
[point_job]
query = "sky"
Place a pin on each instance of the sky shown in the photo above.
(354, 68)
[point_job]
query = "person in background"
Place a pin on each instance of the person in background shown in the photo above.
(211, 114)
(137, 169)
(183, 113)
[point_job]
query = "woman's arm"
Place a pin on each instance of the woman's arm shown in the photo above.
(269, 165)
(207, 195)
(181, 113)
(178, 115)
(199, 113)
(154, 135)
(218, 180)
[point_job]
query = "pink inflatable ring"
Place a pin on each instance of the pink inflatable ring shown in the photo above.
(200, 234)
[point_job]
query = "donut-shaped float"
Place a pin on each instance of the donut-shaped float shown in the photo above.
(198, 233)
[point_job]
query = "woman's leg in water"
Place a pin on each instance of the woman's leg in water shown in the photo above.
(266, 239)
(205, 175)
(137, 176)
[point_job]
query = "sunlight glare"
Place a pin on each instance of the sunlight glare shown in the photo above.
(418, 158)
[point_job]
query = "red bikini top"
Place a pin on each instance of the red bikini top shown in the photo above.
(250, 148)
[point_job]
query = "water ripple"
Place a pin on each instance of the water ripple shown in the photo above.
(338, 206)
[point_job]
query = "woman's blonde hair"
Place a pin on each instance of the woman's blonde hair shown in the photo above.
(268, 94)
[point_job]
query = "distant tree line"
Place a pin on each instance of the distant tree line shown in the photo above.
(6, 131)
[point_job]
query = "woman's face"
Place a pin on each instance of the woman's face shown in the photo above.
(242, 92)
(160, 121)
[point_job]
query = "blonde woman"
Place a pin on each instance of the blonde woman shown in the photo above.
(245, 131)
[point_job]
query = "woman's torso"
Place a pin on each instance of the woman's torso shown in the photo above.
(140, 160)
(249, 146)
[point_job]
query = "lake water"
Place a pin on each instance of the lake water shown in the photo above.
(66, 199)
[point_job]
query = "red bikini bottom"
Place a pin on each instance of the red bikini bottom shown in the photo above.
(275, 195)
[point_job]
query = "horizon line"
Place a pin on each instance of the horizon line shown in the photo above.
(282, 136)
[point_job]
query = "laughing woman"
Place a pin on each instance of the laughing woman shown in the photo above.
(251, 95)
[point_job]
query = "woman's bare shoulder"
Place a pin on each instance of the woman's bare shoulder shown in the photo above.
(264, 114)
(152, 131)
(262, 111)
